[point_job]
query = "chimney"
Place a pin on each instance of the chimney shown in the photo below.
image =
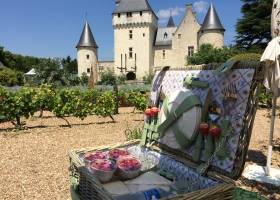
(189, 8)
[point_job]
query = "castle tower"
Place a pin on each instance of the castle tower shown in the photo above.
(87, 56)
(212, 30)
(135, 25)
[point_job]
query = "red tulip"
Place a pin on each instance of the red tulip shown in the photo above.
(154, 111)
(204, 128)
(148, 112)
(215, 131)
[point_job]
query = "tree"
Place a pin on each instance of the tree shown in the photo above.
(69, 65)
(253, 29)
(208, 54)
(48, 71)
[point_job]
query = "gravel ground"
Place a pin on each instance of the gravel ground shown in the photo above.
(34, 162)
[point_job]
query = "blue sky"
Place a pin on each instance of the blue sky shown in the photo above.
(51, 28)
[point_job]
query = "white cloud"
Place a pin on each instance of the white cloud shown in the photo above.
(165, 13)
(200, 6)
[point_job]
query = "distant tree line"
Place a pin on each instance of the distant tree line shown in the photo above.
(57, 71)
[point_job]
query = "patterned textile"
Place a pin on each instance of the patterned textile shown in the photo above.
(150, 159)
(241, 78)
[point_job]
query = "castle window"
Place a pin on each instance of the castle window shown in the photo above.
(88, 70)
(141, 13)
(165, 35)
(179, 36)
(129, 14)
(130, 34)
(88, 56)
(144, 34)
(130, 52)
(119, 15)
(190, 51)
(163, 54)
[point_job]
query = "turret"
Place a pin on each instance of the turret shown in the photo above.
(212, 30)
(87, 55)
(170, 22)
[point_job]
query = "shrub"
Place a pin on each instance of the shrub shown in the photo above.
(105, 105)
(44, 98)
(107, 78)
(148, 79)
(208, 54)
(9, 77)
(84, 79)
(14, 105)
(247, 57)
(121, 79)
(137, 99)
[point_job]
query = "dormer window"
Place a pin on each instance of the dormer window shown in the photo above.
(129, 14)
(119, 15)
(165, 35)
(141, 13)
(87, 56)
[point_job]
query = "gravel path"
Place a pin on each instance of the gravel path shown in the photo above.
(34, 162)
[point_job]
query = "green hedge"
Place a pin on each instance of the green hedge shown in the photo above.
(247, 57)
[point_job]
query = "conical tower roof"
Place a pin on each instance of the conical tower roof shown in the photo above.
(170, 22)
(212, 20)
(87, 39)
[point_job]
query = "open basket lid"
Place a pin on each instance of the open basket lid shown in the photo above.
(245, 77)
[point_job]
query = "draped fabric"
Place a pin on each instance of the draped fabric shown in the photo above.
(272, 71)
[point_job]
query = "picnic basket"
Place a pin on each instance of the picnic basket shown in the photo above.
(217, 182)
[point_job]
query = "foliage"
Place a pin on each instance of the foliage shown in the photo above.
(208, 54)
(148, 79)
(121, 79)
(84, 79)
(253, 29)
(265, 98)
(70, 66)
(105, 104)
(134, 134)
(44, 98)
(63, 102)
(9, 77)
(107, 78)
(137, 99)
(247, 57)
(15, 105)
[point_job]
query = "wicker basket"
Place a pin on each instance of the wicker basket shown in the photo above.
(86, 187)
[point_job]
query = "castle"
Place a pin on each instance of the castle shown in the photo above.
(141, 46)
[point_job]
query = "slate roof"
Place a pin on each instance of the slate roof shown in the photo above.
(87, 39)
(124, 6)
(171, 22)
(212, 20)
(164, 36)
